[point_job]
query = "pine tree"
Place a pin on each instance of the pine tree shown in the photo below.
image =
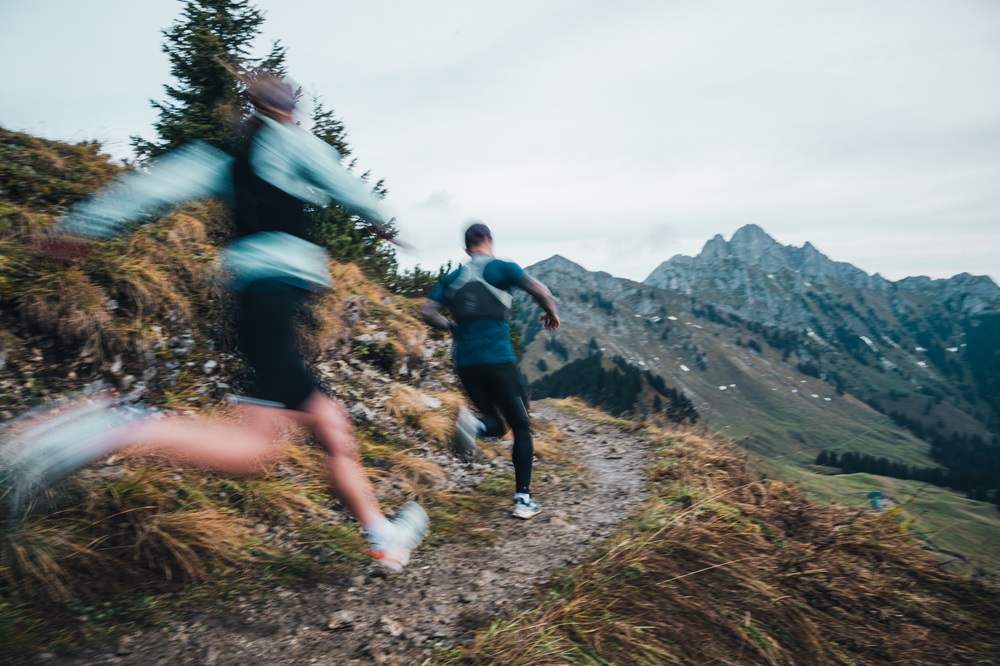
(345, 236)
(207, 103)
(328, 127)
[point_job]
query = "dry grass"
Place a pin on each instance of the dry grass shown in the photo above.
(46, 556)
(17, 224)
(723, 568)
(405, 402)
(144, 286)
(437, 423)
(357, 306)
(67, 304)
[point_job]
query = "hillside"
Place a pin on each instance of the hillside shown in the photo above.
(136, 561)
(750, 349)
(727, 379)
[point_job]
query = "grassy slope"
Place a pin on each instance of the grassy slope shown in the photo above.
(950, 523)
(720, 568)
(777, 421)
(785, 428)
(761, 408)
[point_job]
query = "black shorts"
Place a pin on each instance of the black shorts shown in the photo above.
(267, 337)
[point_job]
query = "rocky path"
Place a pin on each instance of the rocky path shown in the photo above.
(445, 593)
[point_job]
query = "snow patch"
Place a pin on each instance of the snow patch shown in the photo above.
(890, 342)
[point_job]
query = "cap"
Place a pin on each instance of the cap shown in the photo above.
(476, 234)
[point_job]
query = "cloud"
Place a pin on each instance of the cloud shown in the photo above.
(616, 138)
(440, 200)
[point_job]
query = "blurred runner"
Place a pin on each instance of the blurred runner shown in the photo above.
(280, 169)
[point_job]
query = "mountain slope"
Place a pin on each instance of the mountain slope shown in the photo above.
(706, 356)
(792, 354)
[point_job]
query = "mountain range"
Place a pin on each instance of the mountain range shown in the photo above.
(789, 352)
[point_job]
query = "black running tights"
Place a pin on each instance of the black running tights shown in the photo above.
(496, 389)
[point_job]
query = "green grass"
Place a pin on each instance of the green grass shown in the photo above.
(798, 426)
(946, 521)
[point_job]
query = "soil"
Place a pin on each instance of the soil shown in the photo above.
(445, 594)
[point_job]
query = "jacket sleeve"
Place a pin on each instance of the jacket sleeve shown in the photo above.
(194, 171)
(322, 168)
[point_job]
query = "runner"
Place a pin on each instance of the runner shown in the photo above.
(268, 184)
(478, 296)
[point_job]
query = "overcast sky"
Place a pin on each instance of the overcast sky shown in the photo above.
(615, 134)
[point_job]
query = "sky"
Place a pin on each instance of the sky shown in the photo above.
(615, 134)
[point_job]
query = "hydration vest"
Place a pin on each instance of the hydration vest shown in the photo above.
(470, 296)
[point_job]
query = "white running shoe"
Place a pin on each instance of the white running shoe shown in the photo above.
(48, 445)
(409, 527)
(525, 509)
(468, 428)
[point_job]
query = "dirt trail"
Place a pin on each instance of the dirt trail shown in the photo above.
(445, 593)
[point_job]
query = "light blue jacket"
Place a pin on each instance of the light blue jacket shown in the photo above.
(285, 155)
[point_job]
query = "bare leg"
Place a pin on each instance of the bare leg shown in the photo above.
(331, 423)
(251, 448)
(230, 447)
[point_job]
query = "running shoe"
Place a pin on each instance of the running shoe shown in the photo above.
(467, 428)
(409, 527)
(525, 509)
(47, 445)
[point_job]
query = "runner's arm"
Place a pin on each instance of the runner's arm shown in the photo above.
(322, 167)
(431, 313)
(194, 171)
(544, 298)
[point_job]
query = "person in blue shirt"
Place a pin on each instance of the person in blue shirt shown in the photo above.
(479, 299)
(280, 169)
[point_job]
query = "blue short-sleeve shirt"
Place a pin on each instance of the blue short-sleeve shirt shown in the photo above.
(482, 341)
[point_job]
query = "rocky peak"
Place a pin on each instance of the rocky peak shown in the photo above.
(750, 242)
(716, 248)
(559, 263)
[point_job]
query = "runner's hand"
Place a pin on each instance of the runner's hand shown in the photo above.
(550, 321)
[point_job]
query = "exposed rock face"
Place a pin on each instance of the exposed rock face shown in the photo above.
(757, 278)
(786, 320)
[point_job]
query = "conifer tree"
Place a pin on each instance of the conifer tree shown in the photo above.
(206, 103)
(328, 127)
